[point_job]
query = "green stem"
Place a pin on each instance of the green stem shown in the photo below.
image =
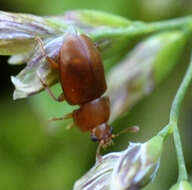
(141, 28)
(183, 176)
(172, 127)
(174, 114)
(165, 132)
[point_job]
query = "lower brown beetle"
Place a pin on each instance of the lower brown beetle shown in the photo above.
(83, 82)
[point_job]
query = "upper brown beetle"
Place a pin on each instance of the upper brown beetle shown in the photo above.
(83, 82)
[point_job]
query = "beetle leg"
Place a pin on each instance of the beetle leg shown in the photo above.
(51, 61)
(98, 154)
(61, 98)
(68, 116)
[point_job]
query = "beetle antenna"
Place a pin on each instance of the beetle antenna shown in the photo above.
(132, 129)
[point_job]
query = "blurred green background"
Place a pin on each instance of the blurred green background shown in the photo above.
(35, 156)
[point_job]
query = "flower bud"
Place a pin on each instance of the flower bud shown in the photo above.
(99, 176)
(17, 32)
(143, 68)
(91, 19)
(137, 166)
(127, 170)
(184, 185)
(27, 82)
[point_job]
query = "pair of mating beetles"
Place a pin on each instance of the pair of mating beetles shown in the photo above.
(83, 83)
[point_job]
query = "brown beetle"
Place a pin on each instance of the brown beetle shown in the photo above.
(83, 82)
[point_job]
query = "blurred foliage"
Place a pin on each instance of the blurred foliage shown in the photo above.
(35, 156)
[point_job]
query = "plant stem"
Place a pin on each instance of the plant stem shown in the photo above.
(142, 28)
(183, 176)
(174, 114)
(165, 132)
(172, 127)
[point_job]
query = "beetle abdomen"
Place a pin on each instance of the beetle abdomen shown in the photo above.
(81, 70)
